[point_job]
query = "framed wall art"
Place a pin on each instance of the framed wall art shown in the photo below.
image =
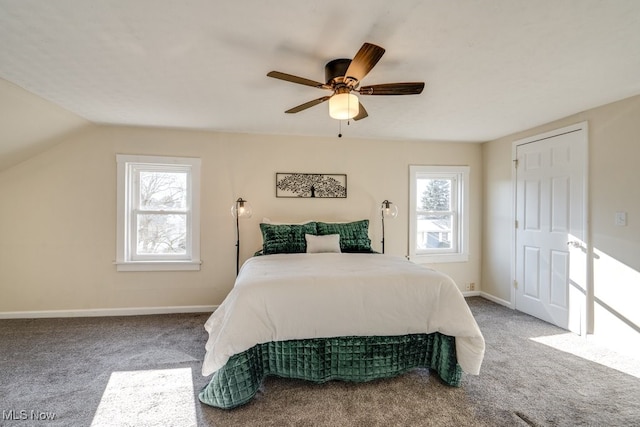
(311, 185)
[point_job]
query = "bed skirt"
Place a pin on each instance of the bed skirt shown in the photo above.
(356, 359)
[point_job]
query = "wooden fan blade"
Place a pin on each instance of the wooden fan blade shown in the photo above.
(366, 58)
(409, 88)
(294, 79)
(307, 105)
(362, 113)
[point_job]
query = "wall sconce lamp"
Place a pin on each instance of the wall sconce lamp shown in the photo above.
(240, 209)
(387, 210)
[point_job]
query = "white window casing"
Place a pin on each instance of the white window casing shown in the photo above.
(161, 232)
(453, 227)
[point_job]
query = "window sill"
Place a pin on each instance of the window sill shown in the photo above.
(438, 258)
(158, 265)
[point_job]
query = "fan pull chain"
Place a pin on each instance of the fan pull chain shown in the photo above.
(339, 128)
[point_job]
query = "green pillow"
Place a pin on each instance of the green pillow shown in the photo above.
(285, 238)
(354, 236)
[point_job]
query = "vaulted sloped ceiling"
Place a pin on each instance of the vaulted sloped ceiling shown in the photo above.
(492, 67)
(30, 124)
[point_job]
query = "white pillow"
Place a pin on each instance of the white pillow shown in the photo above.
(321, 244)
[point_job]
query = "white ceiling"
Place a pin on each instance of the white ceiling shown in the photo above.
(492, 67)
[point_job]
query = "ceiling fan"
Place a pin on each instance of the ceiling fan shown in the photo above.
(343, 77)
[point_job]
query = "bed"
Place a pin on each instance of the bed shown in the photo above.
(323, 308)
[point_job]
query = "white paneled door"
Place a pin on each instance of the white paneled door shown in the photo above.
(550, 246)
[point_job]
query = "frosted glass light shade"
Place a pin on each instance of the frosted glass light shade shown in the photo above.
(344, 106)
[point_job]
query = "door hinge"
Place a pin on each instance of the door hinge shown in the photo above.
(515, 284)
(516, 223)
(515, 163)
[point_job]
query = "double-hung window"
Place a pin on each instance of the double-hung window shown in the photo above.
(439, 214)
(158, 219)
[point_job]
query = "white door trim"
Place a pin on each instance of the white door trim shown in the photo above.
(584, 127)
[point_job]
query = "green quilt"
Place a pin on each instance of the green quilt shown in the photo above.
(319, 360)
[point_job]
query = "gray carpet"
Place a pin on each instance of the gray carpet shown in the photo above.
(145, 370)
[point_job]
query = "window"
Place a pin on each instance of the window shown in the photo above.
(439, 217)
(158, 213)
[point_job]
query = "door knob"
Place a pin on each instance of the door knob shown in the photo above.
(575, 244)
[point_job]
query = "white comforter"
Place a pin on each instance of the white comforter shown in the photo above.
(298, 296)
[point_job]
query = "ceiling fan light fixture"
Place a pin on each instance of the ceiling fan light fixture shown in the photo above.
(344, 106)
(343, 76)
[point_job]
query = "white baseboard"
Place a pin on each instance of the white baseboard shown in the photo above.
(107, 312)
(468, 294)
(140, 311)
(495, 299)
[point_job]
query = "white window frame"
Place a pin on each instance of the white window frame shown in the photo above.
(128, 168)
(459, 252)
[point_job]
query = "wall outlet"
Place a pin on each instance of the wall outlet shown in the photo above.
(472, 286)
(621, 219)
(467, 287)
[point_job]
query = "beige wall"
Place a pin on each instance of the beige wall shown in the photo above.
(614, 147)
(58, 216)
(30, 124)
(497, 218)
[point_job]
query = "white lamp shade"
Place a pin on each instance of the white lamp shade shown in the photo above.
(241, 209)
(344, 106)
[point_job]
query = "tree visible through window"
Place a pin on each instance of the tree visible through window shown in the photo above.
(438, 217)
(435, 216)
(437, 195)
(158, 213)
(162, 214)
